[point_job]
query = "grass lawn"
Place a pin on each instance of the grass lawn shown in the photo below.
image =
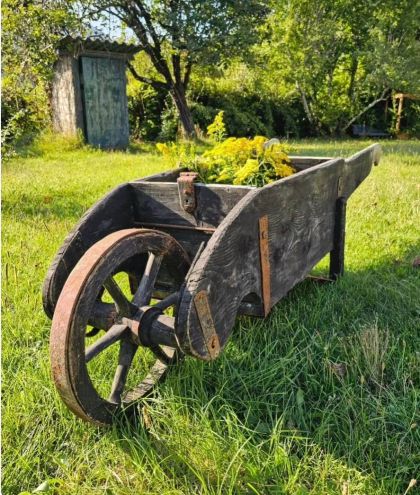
(322, 397)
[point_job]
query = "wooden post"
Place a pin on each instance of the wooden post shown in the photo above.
(337, 253)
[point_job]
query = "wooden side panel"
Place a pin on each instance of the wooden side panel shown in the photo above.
(105, 102)
(300, 212)
(167, 176)
(358, 167)
(190, 240)
(159, 203)
(111, 213)
(304, 162)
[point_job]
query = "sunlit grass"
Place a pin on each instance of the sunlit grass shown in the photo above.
(320, 398)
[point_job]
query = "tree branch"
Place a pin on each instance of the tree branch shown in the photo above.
(148, 19)
(383, 97)
(187, 73)
(155, 84)
(305, 103)
(176, 64)
(153, 50)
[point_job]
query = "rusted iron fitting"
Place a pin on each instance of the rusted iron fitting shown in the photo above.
(186, 191)
(208, 329)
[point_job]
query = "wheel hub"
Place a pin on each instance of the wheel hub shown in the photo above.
(141, 325)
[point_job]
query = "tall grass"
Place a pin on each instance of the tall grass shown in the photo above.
(322, 397)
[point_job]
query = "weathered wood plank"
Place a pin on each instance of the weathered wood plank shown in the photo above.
(66, 100)
(304, 162)
(159, 203)
(301, 213)
(358, 167)
(167, 176)
(190, 240)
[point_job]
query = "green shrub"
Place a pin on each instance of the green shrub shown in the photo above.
(145, 106)
(25, 111)
(170, 121)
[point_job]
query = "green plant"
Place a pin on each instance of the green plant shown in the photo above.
(169, 122)
(30, 36)
(253, 162)
(216, 131)
(179, 154)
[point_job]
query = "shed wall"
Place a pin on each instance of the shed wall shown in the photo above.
(66, 96)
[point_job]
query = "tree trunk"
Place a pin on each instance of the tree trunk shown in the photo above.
(178, 95)
(305, 103)
(353, 72)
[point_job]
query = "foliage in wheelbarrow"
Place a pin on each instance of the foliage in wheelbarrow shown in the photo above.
(239, 161)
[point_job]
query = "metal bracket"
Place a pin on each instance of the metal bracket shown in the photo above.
(202, 307)
(186, 191)
(265, 264)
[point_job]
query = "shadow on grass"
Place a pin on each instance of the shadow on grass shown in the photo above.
(333, 363)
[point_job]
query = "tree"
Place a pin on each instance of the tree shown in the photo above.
(31, 31)
(343, 57)
(178, 34)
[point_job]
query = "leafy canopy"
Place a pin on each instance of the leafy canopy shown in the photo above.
(342, 56)
(178, 34)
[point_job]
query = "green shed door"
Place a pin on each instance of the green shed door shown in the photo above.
(105, 102)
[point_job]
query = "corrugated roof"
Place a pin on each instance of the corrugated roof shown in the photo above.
(78, 45)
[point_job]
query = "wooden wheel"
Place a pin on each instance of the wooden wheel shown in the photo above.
(102, 320)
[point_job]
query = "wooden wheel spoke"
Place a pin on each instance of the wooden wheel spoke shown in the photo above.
(103, 316)
(125, 358)
(123, 305)
(160, 353)
(168, 301)
(145, 289)
(82, 309)
(112, 335)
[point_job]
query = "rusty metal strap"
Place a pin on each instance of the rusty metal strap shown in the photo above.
(265, 264)
(211, 339)
(186, 191)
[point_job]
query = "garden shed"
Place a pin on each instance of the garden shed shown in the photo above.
(89, 91)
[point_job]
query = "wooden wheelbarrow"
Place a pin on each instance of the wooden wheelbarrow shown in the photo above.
(160, 268)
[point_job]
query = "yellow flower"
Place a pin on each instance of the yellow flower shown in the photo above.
(284, 170)
(163, 148)
(243, 161)
(251, 167)
(258, 144)
(224, 176)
